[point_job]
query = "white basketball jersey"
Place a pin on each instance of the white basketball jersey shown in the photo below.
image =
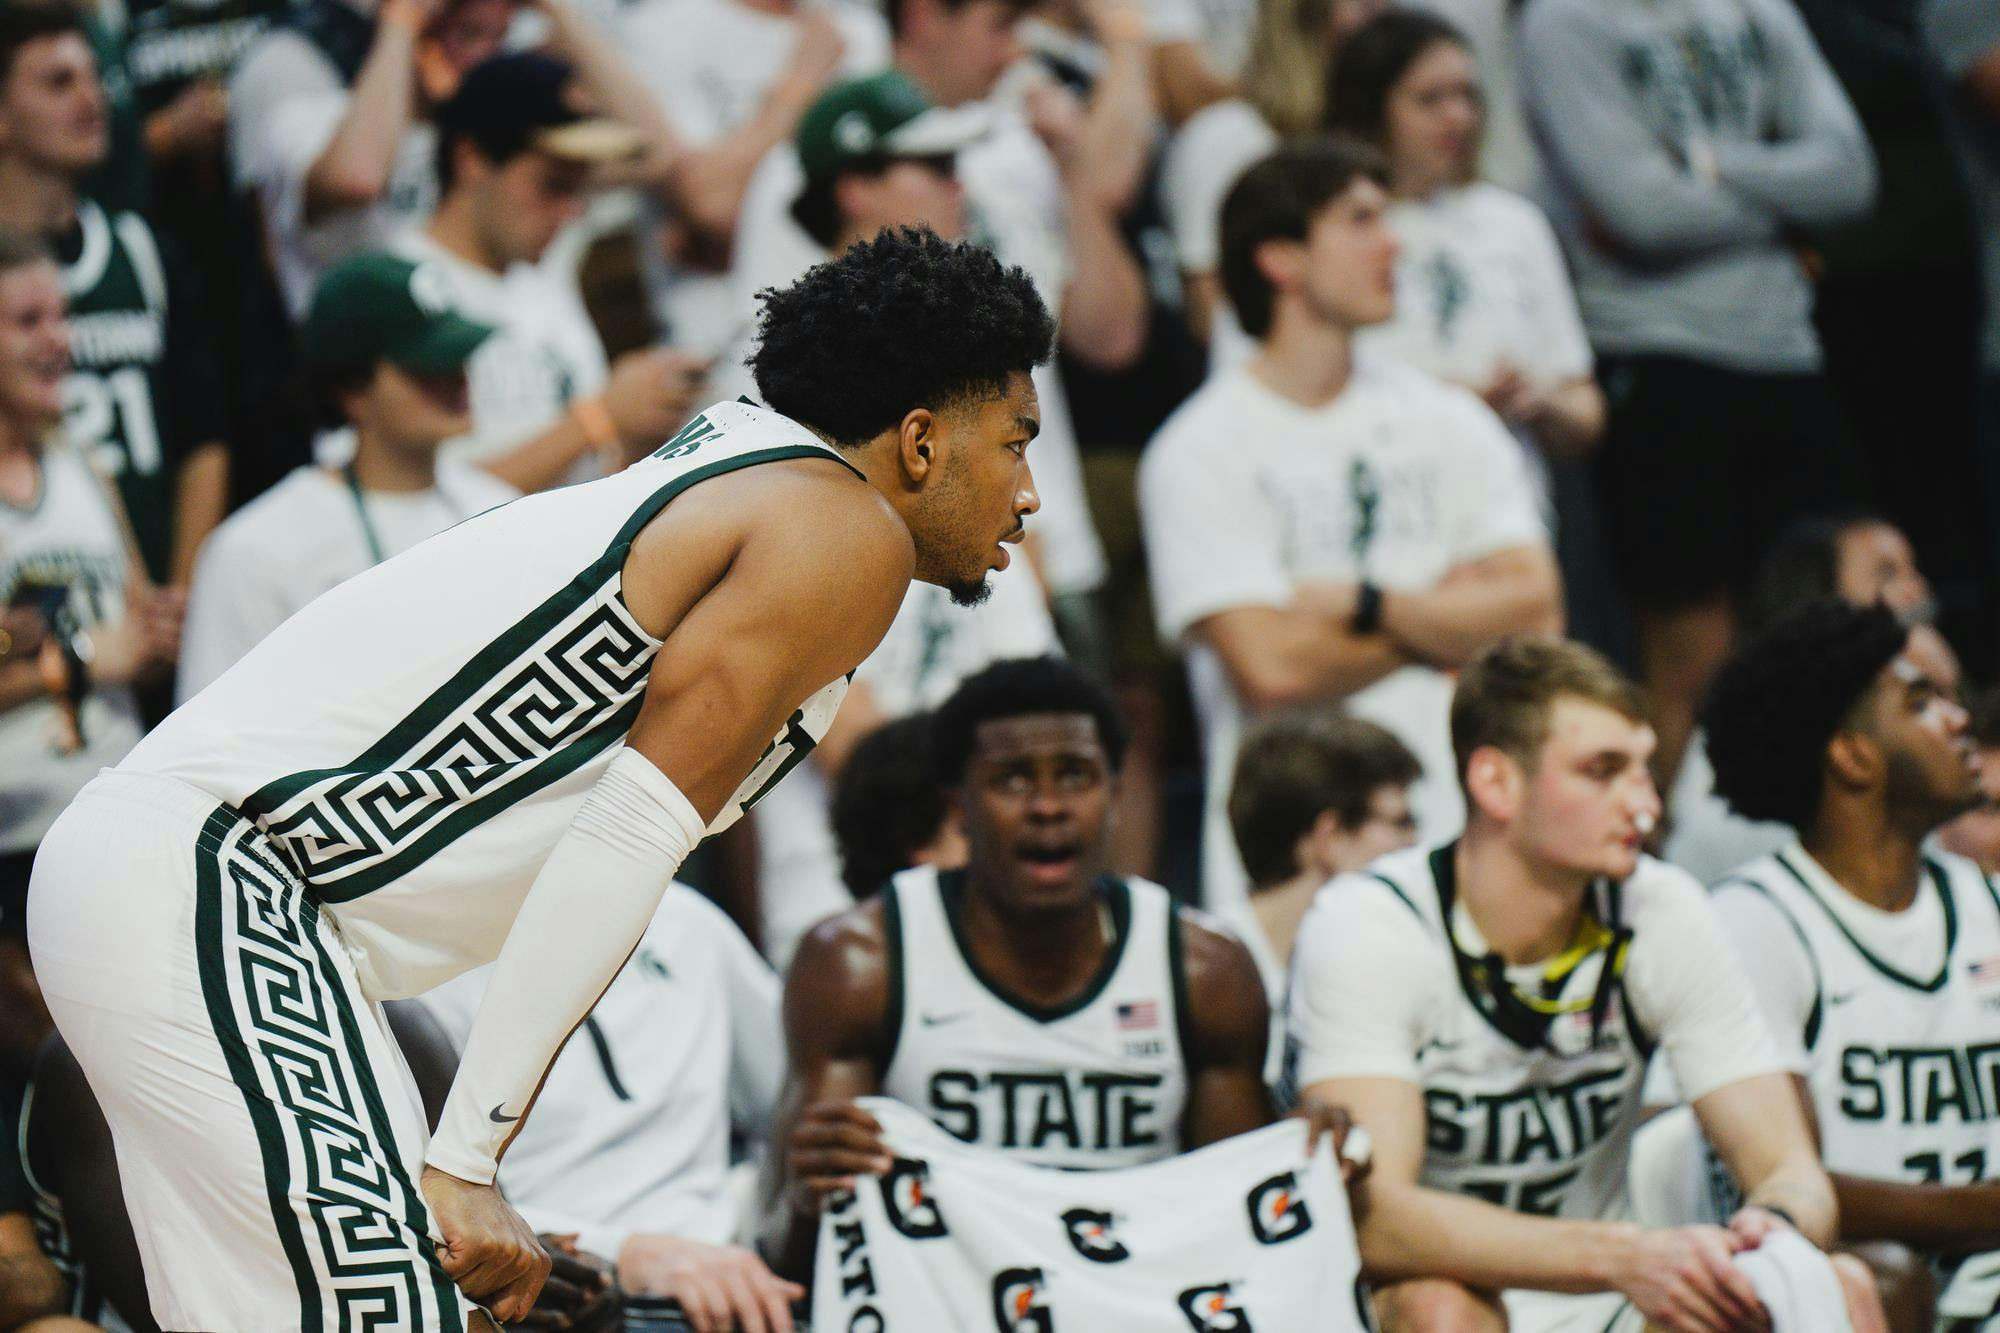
(1098, 1082)
(1904, 1069)
(1544, 1128)
(415, 741)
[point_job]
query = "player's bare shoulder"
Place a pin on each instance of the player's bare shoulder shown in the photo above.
(838, 988)
(1224, 989)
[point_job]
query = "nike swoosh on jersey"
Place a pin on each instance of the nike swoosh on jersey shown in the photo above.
(498, 1119)
(936, 1020)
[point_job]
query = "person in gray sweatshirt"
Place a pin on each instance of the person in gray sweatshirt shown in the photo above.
(1689, 145)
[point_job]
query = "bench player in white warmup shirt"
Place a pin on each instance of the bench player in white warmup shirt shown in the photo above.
(1030, 1003)
(1486, 1010)
(509, 735)
(1875, 956)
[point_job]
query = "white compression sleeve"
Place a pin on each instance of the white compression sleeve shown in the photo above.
(589, 905)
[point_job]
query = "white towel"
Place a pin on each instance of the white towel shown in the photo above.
(1797, 1284)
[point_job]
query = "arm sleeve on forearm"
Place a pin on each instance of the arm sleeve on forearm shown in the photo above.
(585, 911)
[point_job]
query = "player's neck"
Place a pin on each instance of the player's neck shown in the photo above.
(1046, 957)
(1864, 852)
(1280, 908)
(381, 466)
(20, 463)
(1305, 359)
(454, 228)
(1526, 911)
(35, 201)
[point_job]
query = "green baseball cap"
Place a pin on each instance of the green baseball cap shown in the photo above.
(382, 307)
(883, 116)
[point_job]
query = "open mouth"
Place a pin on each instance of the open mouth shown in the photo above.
(1051, 861)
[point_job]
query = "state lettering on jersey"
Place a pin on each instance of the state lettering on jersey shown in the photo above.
(1920, 1085)
(1095, 1110)
(1555, 1124)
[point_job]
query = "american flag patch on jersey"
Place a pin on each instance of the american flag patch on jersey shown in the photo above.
(1143, 1014)
(1985, 971)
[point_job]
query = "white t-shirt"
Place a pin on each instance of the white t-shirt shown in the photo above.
(631, 1131)
(286, 99)
(1479, 280)
(1015, 205)
(1205, 158)
(711, 64)
(1376, 994)
(298, 539)
(1224, 29)
(545, 355)
(68, 538)
(931, 646)
(1244, 494)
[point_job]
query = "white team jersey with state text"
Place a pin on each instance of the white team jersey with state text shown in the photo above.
(415, 741)
(1099, 1082)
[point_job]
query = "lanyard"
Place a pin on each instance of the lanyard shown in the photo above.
(376, 553)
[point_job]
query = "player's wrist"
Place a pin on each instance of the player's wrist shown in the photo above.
(1618, 1257)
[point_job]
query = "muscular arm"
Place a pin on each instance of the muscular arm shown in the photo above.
(1228, 1030)
(1503, 593)
(836, 1011)
(1411, 1231)
(1277, 656)
(1758, 1127)
(354, 168)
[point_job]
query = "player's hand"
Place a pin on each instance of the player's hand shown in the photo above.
(581, 1296)
(833, 1144)
(650, 392)
(488, 1250)
(720, 1287)
(194, 122)
(1752, 1224)
(1685, 1280)
(1351, 1147)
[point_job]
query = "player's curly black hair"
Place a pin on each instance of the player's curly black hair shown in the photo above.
(886, 803)
(1019, 687)
(1781, 697)
(906, 320)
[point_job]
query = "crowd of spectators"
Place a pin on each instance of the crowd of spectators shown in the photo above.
(1387, 331)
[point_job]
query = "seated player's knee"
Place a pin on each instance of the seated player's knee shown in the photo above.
(1434, 1305)
(1901, 1278)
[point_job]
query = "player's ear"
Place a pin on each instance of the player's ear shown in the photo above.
(919, 444)
(1494, 783)
(1853, 759)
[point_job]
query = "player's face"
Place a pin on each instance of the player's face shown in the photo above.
(1349, 275)
(1874, 563)
(1389, 827)
(913, 192)
(414, 411)
(978, 43)
(34, 343)
(1932, 764)
(1036, 805)
(1590, 801)
(52, 109)
(1433, 119)
(1976, 833)
(526, 202)
(980, 491)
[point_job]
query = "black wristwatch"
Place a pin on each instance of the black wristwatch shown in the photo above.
(1367, 609)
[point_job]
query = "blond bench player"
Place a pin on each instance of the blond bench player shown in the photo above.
(510, 735)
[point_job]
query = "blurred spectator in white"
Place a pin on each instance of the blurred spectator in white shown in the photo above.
(1315, 794)
(329, 116)
(1688, 146)
(1325, 527)
(1041, 187)
(1284, 94)
(733, 77)
(1507, 155)
(1860, 558)
(516, 153)
(1482, 297)
(386, 354)
(72, 643)
(1975, 835)
(628, 1148)
(142, 401)
(1964, 39)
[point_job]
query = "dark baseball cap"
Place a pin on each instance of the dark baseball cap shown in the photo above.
(521, 100)
(380, 307)
(882, 116)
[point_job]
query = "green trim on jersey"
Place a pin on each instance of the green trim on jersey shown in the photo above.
(1938, 881)
(1817, 1015)
(591, 737)
(1115, 894)
(893, 965)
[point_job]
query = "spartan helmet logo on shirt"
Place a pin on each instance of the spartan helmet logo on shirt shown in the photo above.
(911, 1210)
(430, 289)
(1277, 1213)
(1090, 1234)
(1017, 1302)
(1213, 1309)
